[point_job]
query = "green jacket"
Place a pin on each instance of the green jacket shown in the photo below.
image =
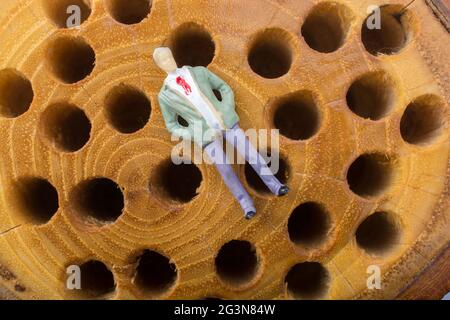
(174, 105)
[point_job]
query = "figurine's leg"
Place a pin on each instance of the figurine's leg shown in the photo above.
(216, 154)
(236, 137)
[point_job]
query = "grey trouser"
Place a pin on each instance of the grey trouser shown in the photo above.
(236, 137)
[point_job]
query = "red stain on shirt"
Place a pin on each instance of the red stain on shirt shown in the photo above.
(186, 87)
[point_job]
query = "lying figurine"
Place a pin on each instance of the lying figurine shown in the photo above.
(188, 92)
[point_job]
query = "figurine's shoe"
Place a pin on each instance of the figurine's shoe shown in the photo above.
(284, 190)
(250, 215)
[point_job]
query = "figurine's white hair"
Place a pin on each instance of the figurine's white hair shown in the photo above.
(161, 52)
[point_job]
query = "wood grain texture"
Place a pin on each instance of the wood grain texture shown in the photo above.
(36, 249)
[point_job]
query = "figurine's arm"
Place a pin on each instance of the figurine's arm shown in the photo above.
(224, 89)
(171, 118)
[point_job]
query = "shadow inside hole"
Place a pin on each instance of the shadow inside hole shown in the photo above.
(372, 96)
(16, 93)
(128, 11)
(237, 262)
(326, 27)
(192, 45)
(96, 279)
(424, 120)
(60, 12)
(377, 233)
(127, 108)
(155, 273)
(309, 224)
(98, 201)
(370, 174)
(394, 32)
(255, 181)
(297, 116)
(270, 54)
(176, 182)
(307, 280)
(65, 126)
(70, 59)
(36, 198)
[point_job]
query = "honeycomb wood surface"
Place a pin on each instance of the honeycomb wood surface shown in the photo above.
(355, 171)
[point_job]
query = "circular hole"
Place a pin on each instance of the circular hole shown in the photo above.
(128, 11)
(370, 174)
(391, 35)
(307, 280)
(327, 26)
(270, 54)
(127, 108)
(36, 198)
(70, 59)
(377, 233)
(297, 116)
(16, 93)
(237, 262)
(65, 126)
(176, 182)
(424, 120)
(96, 279)
(155, 273)
(372, 96)
(192, 45)
(61, 12)
(309, 224)
(254, 180)
(98, 200)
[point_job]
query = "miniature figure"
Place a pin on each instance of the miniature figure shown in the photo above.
(188, 92)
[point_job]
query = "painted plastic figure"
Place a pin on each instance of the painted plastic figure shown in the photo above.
(188, 92)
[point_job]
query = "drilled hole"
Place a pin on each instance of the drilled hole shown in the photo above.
(309, 224)
(98, 201)
(70, 59)
(128, 11)
(327, 26)
(424, 120)
(372, 96)
(127, 108)
(394, 34)
(96, 279)
(256, 182)
(192, 45)
(308, 280)
(65, 126)
(176, 182)
(16, 93)
(237, 262)
(61, 12)
(370, 174)
(36, 198)
(297, 116)
(155, 273)
(378, 233)
(270, 54)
